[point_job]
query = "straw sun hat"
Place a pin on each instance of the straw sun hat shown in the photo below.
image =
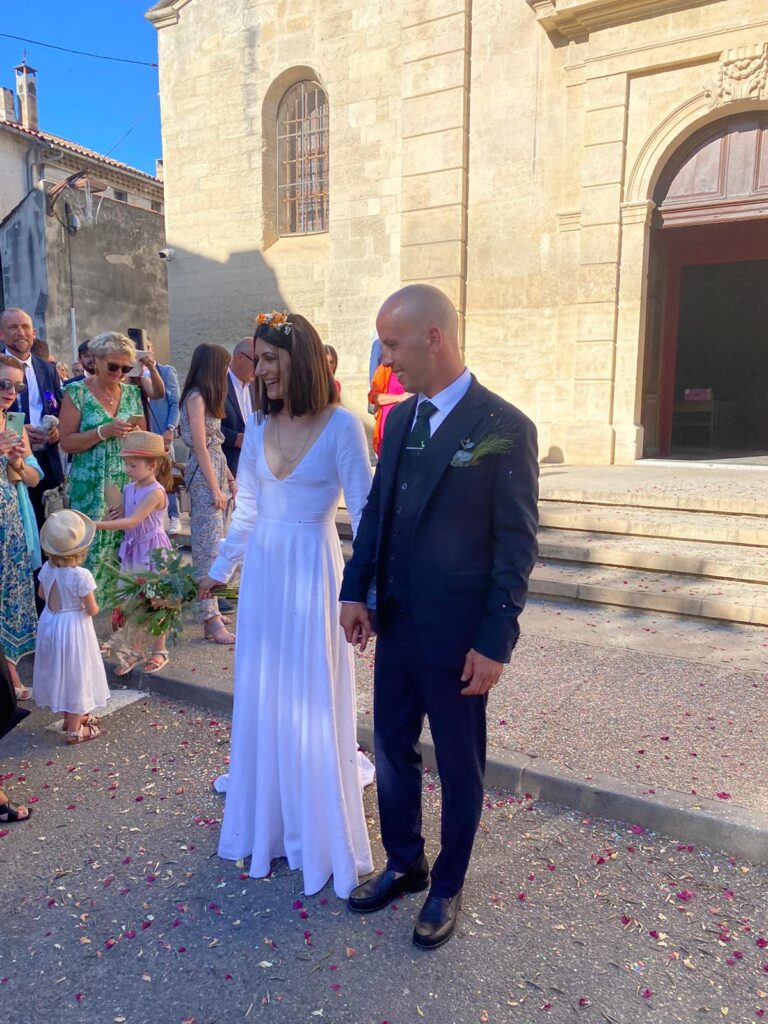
(143, 444)
(67, 532)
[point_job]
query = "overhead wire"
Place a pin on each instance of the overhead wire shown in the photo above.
(79, 53)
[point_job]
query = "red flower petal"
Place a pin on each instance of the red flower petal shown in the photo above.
(723, 796)
(647, 993)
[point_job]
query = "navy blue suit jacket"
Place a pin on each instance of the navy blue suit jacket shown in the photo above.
(49, 383)
(474, 542)
(232, 425)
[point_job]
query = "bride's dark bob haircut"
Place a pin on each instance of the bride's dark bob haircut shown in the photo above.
(310, 386)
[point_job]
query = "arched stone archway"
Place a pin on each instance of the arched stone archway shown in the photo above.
(705, 370)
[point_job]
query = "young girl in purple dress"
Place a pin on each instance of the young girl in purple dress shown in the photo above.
(145, 501)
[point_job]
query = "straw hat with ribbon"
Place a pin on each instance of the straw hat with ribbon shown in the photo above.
(67, 532)
(143, 444)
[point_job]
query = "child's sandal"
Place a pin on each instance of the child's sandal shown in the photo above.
(128, 663)
(151, 665)
(78, 736)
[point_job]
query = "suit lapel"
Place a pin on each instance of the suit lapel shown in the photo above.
(397, 428)
(446, 441)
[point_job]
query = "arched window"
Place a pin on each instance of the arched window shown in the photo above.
(302, 160)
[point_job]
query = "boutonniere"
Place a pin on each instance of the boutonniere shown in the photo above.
(473, 452)
(50, 398)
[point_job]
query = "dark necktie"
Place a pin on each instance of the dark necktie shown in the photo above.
(420, 433)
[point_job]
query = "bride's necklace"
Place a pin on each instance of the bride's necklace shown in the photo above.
(301, 450)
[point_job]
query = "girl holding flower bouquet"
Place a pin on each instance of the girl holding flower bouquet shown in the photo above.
(145, 500)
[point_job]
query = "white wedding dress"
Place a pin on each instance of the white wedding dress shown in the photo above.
(294, 789)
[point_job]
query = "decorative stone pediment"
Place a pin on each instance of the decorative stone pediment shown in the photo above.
(575, 19)
(742, 75)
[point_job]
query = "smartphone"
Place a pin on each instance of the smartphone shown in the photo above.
(139, 338)
(14, 422)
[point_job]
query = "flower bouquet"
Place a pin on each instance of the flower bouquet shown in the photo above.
(153, 601)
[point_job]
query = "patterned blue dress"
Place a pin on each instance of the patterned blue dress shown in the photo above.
(18, 617)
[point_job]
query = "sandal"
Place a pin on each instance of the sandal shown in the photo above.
(94, 731)
(219, 633)
(128, 663)
(23, 693)
(12, 810)
(151, 666)
(90, 720)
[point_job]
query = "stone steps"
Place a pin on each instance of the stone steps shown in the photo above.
(716, 561)
(677, 593)
(677, 524)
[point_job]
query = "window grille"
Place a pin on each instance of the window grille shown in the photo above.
(302, 160)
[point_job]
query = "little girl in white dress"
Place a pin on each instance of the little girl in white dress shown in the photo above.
(69, 674)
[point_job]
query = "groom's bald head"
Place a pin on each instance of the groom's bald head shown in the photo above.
(418, 327)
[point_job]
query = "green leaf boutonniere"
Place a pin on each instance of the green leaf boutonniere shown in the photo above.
(473, 452)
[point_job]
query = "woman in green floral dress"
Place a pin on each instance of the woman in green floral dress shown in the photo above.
(96, 414)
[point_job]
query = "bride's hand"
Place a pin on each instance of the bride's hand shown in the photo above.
(205, 587)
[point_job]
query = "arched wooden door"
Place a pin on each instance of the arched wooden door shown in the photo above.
(706, 367)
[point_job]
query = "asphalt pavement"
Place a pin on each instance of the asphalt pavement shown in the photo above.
(115, 907)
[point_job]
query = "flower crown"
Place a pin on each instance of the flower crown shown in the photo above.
(275, 321)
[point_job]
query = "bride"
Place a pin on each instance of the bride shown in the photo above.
(294, 789)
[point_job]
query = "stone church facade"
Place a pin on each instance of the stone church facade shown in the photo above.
(582, 177)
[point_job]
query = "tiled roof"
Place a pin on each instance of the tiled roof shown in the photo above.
(73, 147)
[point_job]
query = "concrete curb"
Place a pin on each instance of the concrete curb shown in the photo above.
(720, 826)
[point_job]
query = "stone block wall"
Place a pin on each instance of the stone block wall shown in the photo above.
(502, 150)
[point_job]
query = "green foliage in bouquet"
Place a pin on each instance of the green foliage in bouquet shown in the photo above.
(153, 600)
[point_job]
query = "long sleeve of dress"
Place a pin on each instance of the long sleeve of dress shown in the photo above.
(354, 467)
(232, 547)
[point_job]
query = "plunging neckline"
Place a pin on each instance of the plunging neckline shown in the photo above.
(112, 415)
(302, 460)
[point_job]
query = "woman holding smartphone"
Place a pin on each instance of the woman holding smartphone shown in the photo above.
(96, 414)
(18, 617)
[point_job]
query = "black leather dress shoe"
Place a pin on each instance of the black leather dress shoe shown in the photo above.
(377, 892)
(437, 921)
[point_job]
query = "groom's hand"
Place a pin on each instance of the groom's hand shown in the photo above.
(481, 673)
(356, 622)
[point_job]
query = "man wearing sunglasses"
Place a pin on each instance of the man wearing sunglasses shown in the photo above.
(41, 397)
(239, 404)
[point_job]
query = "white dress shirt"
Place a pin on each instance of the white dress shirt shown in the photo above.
(445, 401)
(243, 393)
(33, 391)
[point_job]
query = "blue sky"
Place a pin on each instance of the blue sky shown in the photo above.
(92, 102)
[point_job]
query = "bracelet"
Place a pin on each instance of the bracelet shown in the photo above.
(99, 433)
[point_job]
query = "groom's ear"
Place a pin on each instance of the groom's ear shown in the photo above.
(435, 339)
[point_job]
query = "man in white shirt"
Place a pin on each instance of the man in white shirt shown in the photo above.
(239, 404)
(42, 397)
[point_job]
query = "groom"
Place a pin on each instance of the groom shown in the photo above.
(448, 536)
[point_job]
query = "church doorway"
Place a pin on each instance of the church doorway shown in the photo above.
(705, 394)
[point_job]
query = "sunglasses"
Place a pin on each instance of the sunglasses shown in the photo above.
(11, 385)
(114, 367)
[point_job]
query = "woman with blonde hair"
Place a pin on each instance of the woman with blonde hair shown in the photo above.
(207, 478)
(96, 415)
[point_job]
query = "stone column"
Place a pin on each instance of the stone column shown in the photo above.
(435, 111)
(605, 111)
(631, 329)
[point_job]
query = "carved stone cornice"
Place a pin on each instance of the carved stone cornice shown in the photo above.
(741, 75)
(575, 19)
(165, 12)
